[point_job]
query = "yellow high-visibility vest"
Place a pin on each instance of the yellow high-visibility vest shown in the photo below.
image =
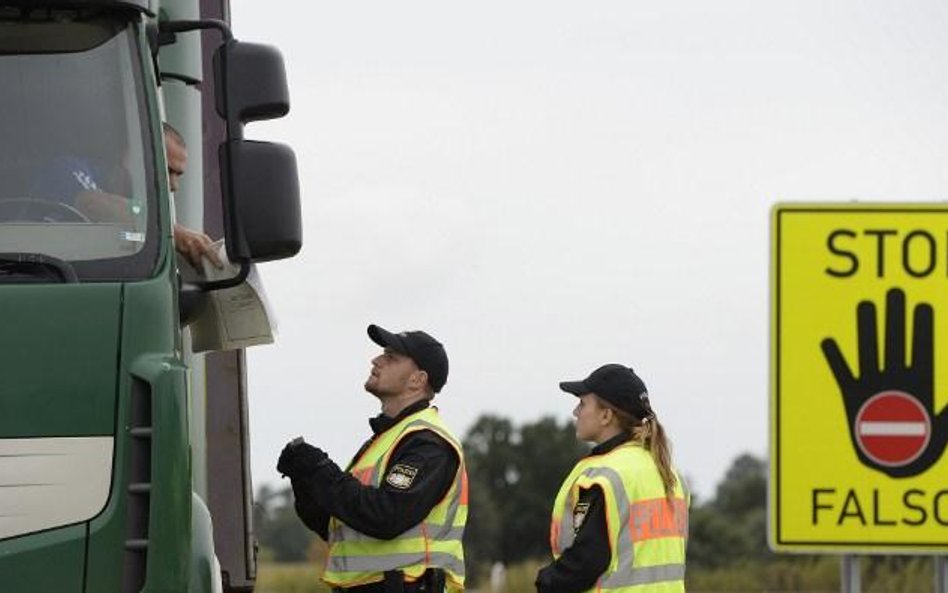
(355, 558)
(647, 532)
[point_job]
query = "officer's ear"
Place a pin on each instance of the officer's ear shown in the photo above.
(607, 416)
(420, 378)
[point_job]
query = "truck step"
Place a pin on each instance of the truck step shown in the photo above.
(140, 488)
(136, 544)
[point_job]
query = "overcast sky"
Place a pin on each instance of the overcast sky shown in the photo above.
(548, 186)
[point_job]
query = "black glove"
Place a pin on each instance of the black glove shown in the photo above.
(300, 459)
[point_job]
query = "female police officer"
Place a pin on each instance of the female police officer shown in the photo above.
(620, 519)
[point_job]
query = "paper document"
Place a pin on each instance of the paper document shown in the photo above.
(235, 317)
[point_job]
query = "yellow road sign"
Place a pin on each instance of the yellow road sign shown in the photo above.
(859, 378)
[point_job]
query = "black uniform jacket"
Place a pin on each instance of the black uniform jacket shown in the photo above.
(582, 563)
(398, 504)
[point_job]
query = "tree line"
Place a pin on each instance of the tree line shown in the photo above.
(514, 473)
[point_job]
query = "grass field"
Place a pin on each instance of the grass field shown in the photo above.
(912, 575)
(304, 578)
(289, 578)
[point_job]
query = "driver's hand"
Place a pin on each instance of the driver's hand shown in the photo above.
(100, 206)
(194, 245)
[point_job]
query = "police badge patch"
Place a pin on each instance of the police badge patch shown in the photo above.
(401, 476)
(579, 515)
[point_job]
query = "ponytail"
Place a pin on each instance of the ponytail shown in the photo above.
(650, 434)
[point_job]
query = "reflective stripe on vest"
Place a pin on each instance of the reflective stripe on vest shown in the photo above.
(355, 558)
(647, 535)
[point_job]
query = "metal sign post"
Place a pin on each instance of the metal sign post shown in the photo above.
(849, 581)
(941, 574)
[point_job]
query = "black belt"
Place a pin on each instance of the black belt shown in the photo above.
(378, 587)
(394, 582)
(431, 582)
(370, 588)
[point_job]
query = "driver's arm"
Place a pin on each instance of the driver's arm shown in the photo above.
(100, 206)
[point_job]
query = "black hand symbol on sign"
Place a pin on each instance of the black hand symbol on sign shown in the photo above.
(908, 386)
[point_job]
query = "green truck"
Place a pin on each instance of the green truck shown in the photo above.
(123, 456)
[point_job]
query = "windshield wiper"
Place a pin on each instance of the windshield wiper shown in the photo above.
(35, 267)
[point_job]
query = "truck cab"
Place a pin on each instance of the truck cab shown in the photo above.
(104, 445)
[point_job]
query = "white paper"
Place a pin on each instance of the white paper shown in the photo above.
(235, 317)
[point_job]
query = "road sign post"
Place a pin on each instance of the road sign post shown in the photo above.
(941, 574)
(850, 574)
(859, 379)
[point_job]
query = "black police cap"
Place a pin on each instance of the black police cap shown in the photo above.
(618, 385)
(427, 352)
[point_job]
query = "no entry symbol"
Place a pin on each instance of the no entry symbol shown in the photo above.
(892, 428)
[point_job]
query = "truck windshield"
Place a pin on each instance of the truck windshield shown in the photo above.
(77, 167)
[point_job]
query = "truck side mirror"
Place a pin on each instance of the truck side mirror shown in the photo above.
(251, 82)
(262, 220)
(259, 179)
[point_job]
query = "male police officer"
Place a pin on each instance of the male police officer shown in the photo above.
(394, 520)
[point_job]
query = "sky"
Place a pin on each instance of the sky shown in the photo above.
(549, 186)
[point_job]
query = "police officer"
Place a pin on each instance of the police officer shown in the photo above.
(395, 518)
(621, 516)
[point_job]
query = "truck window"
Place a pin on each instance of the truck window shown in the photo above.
(77, 157)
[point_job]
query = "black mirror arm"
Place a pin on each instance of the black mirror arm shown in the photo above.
(226, 282)
(169, 28)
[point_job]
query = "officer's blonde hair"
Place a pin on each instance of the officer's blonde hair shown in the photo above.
(649, 433)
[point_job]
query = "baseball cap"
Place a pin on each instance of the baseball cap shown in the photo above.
(427, 352)
(618, 385)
